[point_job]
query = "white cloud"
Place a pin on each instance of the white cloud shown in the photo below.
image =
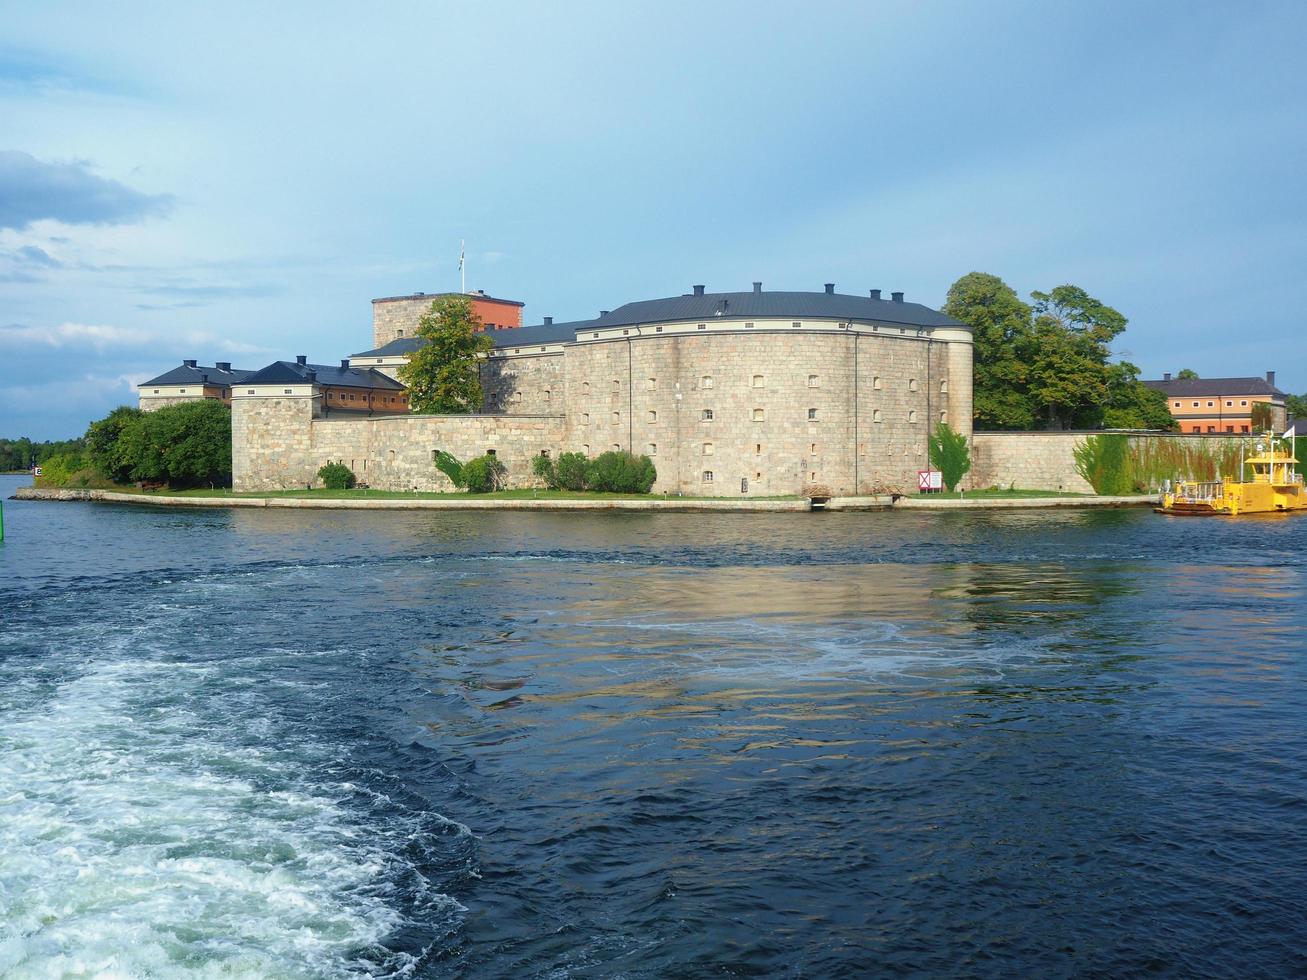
(105, 336)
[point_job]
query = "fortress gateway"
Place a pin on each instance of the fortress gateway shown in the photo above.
(755, 393)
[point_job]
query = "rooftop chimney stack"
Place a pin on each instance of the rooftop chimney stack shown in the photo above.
(549, 321)
(311, 376)
(301, 359)
(698, 290)
(223, 365)
(896, 297)
(1270, 378)
(604, 312)
(875, 294)
(830, 289)
(344, 363)
(1167, 376)
(189, 363)
(757, 287)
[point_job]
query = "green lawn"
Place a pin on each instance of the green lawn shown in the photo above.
(398, 495)
(994, 493)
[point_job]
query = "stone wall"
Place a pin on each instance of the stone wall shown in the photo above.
(277, 445)
(722, 413)
(1045, 460)
(649, 394)
(398, 316)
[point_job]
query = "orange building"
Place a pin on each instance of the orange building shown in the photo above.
(394, 317)
(1221, 405)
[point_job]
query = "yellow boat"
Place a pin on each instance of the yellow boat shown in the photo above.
(1276, 487)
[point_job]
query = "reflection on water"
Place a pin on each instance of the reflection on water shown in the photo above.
(650, 745)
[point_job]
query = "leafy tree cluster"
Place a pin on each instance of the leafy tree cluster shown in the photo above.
(1047, 364)
(610, 472)
(21, 453)
(182, 445)
(444, 374)
(1296, 406)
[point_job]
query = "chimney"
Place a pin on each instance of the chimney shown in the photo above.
(875, 294)
(190, 363)
(604, 312)
(301, 359)
(1166, 376)
(1270, 378)
(223, 365)
(311, 376)
(549, 321)
(698, 290)
(344, 363)
(830, 289)
(419, 294)
(757, 287)
(896, 297)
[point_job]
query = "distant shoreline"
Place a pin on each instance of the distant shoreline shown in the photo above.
(461, 502)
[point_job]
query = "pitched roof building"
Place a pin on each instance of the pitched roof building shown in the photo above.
(1221, 405)
(190, 381)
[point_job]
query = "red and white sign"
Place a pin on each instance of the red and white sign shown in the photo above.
(930, 480)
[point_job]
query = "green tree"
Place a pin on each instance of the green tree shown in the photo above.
(1131, 404)
(451, 467)
(1187, 374)
(104, 443)
(485, 474)
(1002, 338)
(1296, 406)
(444, 374)
(570, 471)
(621, 472)
(184, 445)
(950, 454)
(1070, 374)
(1262, 416)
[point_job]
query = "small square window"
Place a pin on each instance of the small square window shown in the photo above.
(796, 324)
(548, 394)
(706, 381)
(183, 391)
(1209, 403)
(707, 476)
(617, 447)
(758, 415)
(707, 448)
(617, 418)
(875, 382)
(875, 415)
(812, 415)
(706, 415)
(1242, 404)
(912, 416)
(585, 418)
(652, 449)
(653, 417)
(943, 385)
(651, 384)
(813, 381)
(490, 452)
(249, 392)
(617, 385)
(757, 381)
(658, 329)
(1227, 404)
(585, 387)
(757, 448)
(156, 391)
(812, 449)
(703, 326)
(912, 384)
(748, 326)
(1196, 404)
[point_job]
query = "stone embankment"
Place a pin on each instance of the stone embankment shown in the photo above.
(576, 504)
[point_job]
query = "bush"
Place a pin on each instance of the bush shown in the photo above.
(451, 467)
(950, 454)
(182, 445)
(570, 471)
(543, 467)
(485, 474)
(337, 476)
(1105, 464)
(621, 472)
(105, 446)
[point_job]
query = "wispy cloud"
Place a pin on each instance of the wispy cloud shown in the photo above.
(102, 337)
(32, 190)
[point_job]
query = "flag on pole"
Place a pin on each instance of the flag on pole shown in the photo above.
(462, 274)
(460, 255)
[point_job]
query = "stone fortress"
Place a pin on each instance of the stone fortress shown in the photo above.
(756, 393)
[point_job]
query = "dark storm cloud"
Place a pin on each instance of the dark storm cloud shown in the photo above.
(32, 189)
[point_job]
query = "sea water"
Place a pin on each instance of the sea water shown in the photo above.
(316, 744)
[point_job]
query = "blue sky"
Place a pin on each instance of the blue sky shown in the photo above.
(237, 181)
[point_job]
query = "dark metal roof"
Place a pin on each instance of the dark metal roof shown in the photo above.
(541, 333)
(184, 374)
(396, 348)
(435, 296)
(776, 305)
(1212, 387)
(291, 372)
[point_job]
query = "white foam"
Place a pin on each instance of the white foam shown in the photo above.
(141, 837)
